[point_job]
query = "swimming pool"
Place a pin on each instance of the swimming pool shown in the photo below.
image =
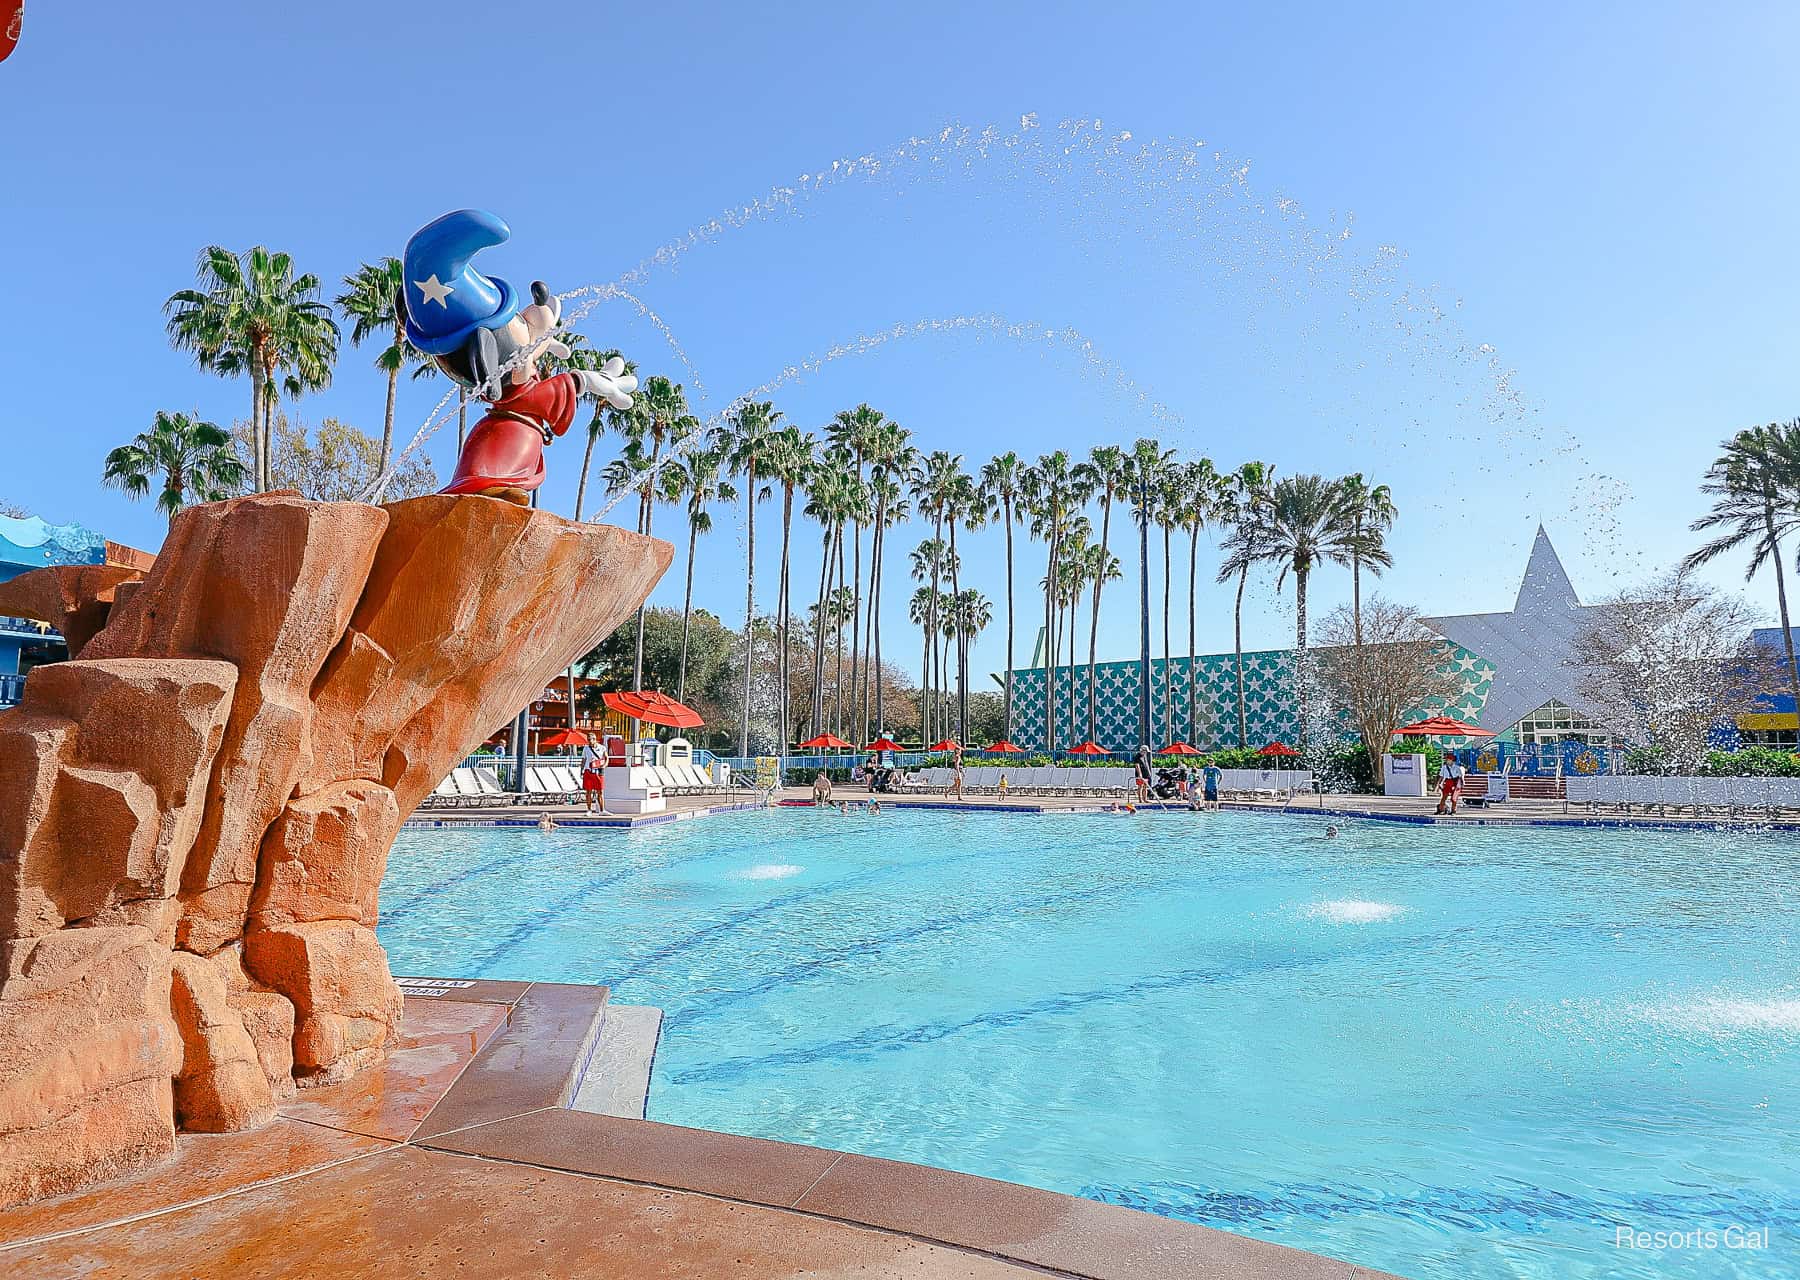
(1442, 1051)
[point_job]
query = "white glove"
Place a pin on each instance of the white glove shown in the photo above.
(609, 382)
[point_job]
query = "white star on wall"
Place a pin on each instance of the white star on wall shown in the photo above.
(435, 291)
(1531, 647)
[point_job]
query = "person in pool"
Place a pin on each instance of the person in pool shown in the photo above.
(821, 789)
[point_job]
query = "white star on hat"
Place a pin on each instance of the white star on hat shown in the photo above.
(435, 291)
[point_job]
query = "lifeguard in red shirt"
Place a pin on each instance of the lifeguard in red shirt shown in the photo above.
(474, 328)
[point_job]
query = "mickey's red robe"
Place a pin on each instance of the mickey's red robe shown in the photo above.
(505, 450)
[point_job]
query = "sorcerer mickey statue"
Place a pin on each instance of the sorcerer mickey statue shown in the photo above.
(472, 325)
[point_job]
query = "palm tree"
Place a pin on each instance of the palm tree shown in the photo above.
(195, 459)
(1000, 479)
(745, 438)
(788, 462)
(921, 610)
(1073, 562)
(962, 505)
(1102, 476)
(1305, 521)
(1150, 468)
(1755, 487)
(370, 301)
(659, 413)
(891, 458)
(1054, 496)
(932, 477)
(970, 613)
(251, 314)
(696, 480)
(1246, 490)
(1372, 514)
(1205, 496)
(831, 500)
(931, 565)
(854, 431)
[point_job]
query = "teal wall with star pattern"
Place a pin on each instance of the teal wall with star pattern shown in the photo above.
(1272, 711)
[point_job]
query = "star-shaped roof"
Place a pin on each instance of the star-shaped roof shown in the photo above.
(1532, 648)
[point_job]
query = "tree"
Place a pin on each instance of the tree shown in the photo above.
(832, 498)
(340, 465)
(370, 301)
(962, 506)
(1053, 495)
(1247, 489)
(1150, 464)
(252, 315)
(1304, 522)
(1205, 502)
(1669, 664)
(194, 458)
(697, 482)
(1755, 487)
(743, 441)
(617, 662)
(1103, 476)
(891, 459)
(970, 615)
(1399, 667)
(854, 431)
(660, 414)
(789, 460)
(1000, 489)
(931, 566)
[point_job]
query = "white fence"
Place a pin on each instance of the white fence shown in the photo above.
(1663, 793)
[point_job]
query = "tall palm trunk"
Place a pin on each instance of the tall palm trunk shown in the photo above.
(256, 440)
(1304, 671)
(859, 702)
(838, 636)
(875, 615)
(1050, 630)
(1237, 639)
(1074, 703)
(962, 688)
(1787, 635)
(749, 603)
(687, 608)
(784, 661)
(926, 737)
(387, 423)
(1094, 620)
(818, 686)
(1193, 676)
(1168, 674)
(646, 509)
(587, 461)
(1006, 507)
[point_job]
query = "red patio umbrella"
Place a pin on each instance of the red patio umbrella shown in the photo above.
(1004, 747)
(945, 745)
(654, 708)
(1089, 748)
(1278, 749)
(1442, 727)
(883, 744)
(566, 738)
(1180, 749)
(826, 742)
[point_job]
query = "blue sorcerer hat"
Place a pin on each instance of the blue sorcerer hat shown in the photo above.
(446, 298)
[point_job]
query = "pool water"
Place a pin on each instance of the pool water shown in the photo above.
(1443, 1051)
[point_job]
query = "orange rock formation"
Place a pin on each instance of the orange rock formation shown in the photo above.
(199, 807)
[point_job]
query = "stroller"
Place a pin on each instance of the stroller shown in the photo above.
(1168, 783)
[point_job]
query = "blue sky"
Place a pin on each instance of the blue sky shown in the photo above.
(1596, 197)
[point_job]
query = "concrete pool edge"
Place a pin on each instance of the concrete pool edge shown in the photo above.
(1066, 1235)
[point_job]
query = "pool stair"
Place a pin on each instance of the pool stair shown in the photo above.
(617, 1079)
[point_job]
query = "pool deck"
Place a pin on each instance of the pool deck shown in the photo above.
(1521, 812)
(463, 1153)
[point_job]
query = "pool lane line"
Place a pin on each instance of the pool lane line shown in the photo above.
(874, 1042)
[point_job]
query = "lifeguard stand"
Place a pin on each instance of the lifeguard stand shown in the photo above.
(630, 785)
